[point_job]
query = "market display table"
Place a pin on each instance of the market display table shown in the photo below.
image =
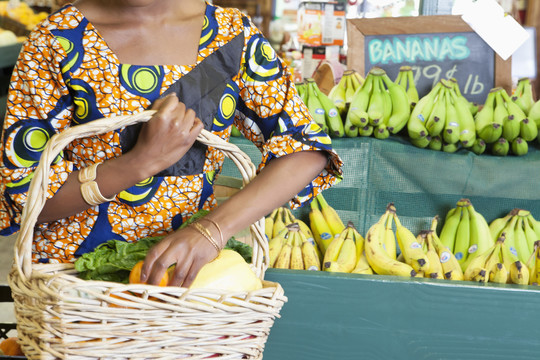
(374, 317)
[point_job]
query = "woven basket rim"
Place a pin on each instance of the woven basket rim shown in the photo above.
(37, 192)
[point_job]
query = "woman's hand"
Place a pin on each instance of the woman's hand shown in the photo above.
(186, 248)
(167, 136)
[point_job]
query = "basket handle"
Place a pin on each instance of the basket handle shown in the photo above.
(38, 186)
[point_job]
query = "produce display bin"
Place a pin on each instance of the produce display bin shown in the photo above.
(351, 316)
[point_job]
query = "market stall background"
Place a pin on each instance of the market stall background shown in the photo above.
(428, 319)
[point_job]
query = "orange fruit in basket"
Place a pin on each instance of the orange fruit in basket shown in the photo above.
(135, 275)
(10, 347)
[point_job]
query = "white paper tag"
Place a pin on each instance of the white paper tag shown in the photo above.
(497, 28)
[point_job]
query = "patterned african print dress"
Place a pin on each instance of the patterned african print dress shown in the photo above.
(67, 75)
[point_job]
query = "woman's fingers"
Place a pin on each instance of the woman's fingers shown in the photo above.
(188, 250)
(153, 262)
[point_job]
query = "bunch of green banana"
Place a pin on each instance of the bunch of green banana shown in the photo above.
(301, 89)
(321, 108)
(465, 115)
(324, 221)
(344, 251)
(497, 264)
(503, 125)
(379, 107)
(473, 107)
(375, 249)
(416, 125)
(401, 109)
(523, 95)
(291, 250)
(235, 132)
(444, 118)
(487, 128)
(465, 232)
(521, 231)
(533, 264)
(405, 79)
(534, 114)
(342, 92)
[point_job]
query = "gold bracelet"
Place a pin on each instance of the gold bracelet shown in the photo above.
(218, 228)
(204, 231)
(89, 188)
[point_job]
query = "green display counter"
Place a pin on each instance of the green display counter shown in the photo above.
(421, 182)
(374, 317)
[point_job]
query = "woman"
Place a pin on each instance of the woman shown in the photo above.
(198, 66)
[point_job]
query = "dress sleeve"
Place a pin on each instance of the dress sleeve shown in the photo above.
(272, 115)
(38, 106)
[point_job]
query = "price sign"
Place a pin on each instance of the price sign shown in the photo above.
(435, 47)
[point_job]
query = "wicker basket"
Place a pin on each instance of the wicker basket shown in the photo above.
(62, 316)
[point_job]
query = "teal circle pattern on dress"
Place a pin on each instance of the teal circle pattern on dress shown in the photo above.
(262, 63)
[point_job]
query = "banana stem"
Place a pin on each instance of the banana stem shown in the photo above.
(322, 201)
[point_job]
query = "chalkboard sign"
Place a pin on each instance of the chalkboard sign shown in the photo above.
(436, 47)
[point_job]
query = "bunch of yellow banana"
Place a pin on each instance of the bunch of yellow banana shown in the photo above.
(276, 224)
(412, 252)
(375, 249)
(342, 92)
(324, 222)
(443, 262)
(465, 232)
(523, 95)
(344, 251)
(533, 264)
(503, 125)
(497, 264)
(321, 107)
(292, 250)
(435, 269)
(379, 108)
(521, 231)
(405, 79)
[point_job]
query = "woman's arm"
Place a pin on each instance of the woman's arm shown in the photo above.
(151, 154)
(276, 184)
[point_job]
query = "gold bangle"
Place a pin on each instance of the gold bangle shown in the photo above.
(89, 188)
(218, 228)
(204, 231)
(88, 173)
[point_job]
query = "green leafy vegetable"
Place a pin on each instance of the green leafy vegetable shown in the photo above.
(242, 248)
(114, 259)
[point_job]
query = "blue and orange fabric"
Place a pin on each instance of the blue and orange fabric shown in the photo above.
(67, 75)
